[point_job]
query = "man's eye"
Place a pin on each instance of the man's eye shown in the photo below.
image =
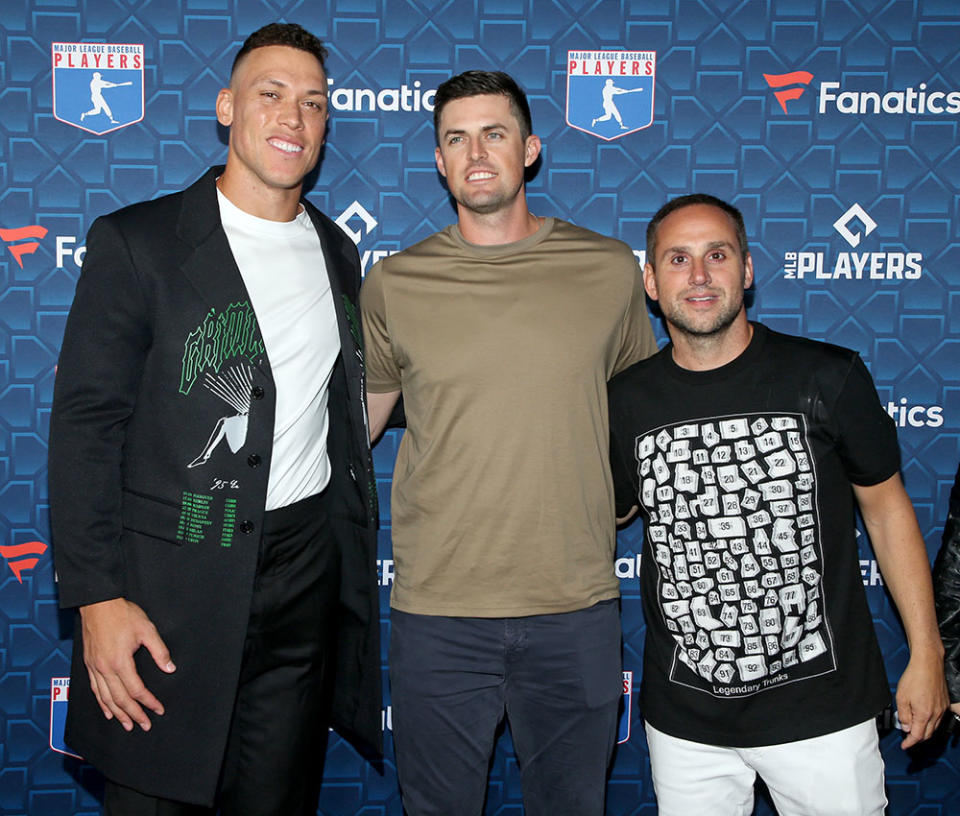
(678, 259)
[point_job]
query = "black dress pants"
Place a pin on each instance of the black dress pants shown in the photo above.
(275, 750)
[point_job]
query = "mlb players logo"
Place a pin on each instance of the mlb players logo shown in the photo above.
(610, 93)
(97, 87)
(59, 697)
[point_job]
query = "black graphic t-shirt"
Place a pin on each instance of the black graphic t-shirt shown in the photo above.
(758, 630)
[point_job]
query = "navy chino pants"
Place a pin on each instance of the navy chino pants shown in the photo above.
(557, 679)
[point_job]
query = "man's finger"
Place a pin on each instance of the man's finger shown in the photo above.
(108, 692)
(96, 693)
(145, 697)
(136, 693)
(159, 651)
(137, 690)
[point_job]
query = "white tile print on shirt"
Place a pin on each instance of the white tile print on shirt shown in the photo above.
(735, 535)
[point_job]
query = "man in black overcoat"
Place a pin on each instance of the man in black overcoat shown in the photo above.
(213, 507)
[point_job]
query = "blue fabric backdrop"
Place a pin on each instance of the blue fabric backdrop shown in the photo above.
(831, 123)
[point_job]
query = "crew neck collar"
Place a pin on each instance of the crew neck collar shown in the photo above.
(496, 250)
(744, 360)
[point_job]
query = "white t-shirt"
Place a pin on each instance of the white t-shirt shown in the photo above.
(283, 268)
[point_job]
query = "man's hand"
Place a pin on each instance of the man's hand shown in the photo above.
(921, 698)
(379, 408)
(112, 632)
(892, 526)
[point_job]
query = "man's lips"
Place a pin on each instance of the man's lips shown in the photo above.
(480, 175)
(701, 298)
(285, 145)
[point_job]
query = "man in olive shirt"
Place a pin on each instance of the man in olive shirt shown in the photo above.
(501, 331)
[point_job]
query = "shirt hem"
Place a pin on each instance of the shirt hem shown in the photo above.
(459, 611)
(782, 733)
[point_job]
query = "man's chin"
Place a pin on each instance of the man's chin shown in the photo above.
(482, 206)
(704, 330)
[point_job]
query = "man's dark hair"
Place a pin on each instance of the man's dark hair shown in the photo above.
(288, 34)
(480, 83)
(688, 201)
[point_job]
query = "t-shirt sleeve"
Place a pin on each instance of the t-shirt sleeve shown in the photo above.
(622, 465)
(867, 441)
(383, 373)
(636, 334)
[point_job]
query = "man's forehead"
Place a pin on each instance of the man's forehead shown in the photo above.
(700, 217)
(481, 109)
(275, 61)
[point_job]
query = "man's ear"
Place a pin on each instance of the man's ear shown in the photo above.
(531, 149)
(748, 271)
(650, 281)
(440, 165)
(225, 107)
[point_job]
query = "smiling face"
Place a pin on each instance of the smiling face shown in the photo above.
(276, 109)
(699, 275)
(482, 154)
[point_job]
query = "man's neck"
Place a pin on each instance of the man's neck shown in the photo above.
(705, 353)
(502, 227)
(255, 198)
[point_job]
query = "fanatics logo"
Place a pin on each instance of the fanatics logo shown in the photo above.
(20, 234)
(22, 557)
(97, 87)
(610, 93)
(794, 78)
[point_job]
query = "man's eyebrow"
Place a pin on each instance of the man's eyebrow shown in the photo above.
(483, 129)
(687, 250)
(279, 83)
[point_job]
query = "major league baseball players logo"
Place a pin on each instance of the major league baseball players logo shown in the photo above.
(97, 87)
(610, 93)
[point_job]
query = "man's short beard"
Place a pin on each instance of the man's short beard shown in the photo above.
(484, 208)
(676, 320)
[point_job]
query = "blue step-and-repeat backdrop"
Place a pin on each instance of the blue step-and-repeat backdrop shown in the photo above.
(833, 125)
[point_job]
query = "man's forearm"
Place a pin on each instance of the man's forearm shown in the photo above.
(902, 557)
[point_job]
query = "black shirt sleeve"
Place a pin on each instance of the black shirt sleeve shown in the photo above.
(867, 441)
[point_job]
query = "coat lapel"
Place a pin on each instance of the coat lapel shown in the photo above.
(211, 267)
(340, 268)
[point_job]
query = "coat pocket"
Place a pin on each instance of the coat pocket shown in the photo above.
(150, 516)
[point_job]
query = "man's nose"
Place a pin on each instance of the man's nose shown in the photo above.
(292, 115)
(699, 274)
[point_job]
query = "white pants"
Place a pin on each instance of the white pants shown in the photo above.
(838, 774)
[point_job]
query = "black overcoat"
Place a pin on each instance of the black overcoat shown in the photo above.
(161, 348)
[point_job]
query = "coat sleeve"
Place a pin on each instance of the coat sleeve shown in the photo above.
(105, 343)
(946, 587)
